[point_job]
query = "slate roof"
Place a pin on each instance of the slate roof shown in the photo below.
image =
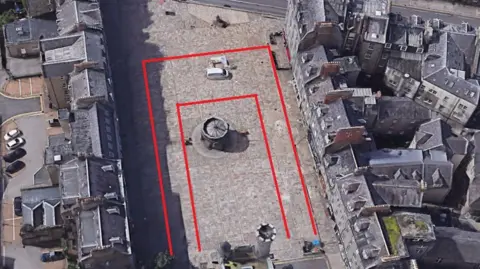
(61, 53)
(441, 61)
(46, 198)
(430, 166)
(96, 177)
(28, 30)
(58, 145)
(473, 172)
(73, 12)
(401, 108)
(411, 67)
(437, 135)
(93, 131)
(88, 86)
(455, 245)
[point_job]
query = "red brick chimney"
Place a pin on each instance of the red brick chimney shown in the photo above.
(329, 69)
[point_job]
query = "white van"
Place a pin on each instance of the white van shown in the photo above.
(217, 73)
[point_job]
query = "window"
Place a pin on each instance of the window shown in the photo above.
(371, 46)
(109, 137)
(462, 107)
(432, 91)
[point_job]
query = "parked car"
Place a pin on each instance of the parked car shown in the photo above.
(217, 74)
(17, 205)
(15, 143)
(52, 256)
(14, 155)
(12, 134)
(15, 167)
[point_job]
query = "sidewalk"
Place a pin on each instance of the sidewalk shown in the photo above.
(440, 7)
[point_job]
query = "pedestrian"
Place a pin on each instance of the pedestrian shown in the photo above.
(188, 142)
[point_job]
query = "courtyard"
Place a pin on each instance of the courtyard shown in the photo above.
(231, 195)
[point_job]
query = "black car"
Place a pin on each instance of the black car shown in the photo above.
(15, 167)
(17, 205)
(14, 155)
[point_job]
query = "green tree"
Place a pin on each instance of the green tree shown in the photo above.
(162, 260)
(7, 17)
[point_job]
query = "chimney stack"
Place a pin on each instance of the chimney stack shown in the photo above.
(265, 235)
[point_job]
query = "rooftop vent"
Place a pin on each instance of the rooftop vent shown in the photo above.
(116, 240)
(108, 168)
(113, 210)
(19, 30)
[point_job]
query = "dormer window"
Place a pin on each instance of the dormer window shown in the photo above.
(113, 210)
(306, 57)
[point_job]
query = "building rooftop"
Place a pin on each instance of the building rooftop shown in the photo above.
(444, 67)
(72, 13)
(377, 12)
(93, 131)
(106, 223)
(58, 146)
(41, 206)
(62, 53)
(28, 30)
(88, 86)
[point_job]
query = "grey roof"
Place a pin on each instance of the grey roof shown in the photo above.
(473, 194)
(74, 182)
(437, 135)
(88, 86)
(439, 68)
(398, 192)
(95, 177)
(430, 166)
(46, 198)
(74, 12)
(39, 7)
(401, 108)
(58, 146)
(377, 23)
(47, 175)
(362, 230)
(405, 66)
(455, 245)
(61, 53)
(93, 131)
(29, 29)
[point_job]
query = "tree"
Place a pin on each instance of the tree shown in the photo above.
(162, 260)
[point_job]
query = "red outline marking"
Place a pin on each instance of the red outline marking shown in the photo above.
(157, 157)
(294, 147)
(267, 148)
(178, 57)
(154, 136)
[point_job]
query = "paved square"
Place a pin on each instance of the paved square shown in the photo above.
(236, 193)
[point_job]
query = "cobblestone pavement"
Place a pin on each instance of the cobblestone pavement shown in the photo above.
(148, 32)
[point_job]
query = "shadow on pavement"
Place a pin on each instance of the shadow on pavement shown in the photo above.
(124, 23)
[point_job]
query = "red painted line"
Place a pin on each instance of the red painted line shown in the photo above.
(290, 134)
(207, 101)
(272, 167)
(157, 157)
(178, 57)
(189, 180)
(162, 2)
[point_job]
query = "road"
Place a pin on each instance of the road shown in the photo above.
(11, 107)
(431, 15)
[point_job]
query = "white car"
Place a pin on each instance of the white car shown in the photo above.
(12, 134)
(15, 143)
(217, 73)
